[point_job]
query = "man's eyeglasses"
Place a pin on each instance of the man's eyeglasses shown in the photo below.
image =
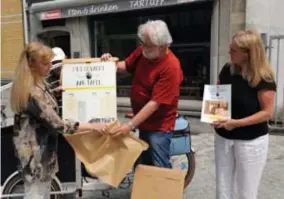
(144, 45)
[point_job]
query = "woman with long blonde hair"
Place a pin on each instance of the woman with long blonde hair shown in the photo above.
(37, 123)
(241, 143)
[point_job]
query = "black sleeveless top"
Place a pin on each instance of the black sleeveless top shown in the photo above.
(244, 103)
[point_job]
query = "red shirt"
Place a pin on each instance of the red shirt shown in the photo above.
(156, 81)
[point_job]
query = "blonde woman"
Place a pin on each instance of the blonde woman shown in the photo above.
(241, 144)
(37, 123)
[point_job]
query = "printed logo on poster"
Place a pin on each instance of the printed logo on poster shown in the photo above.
(90, 90)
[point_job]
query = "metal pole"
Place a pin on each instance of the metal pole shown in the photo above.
(13, 195)
(25, 22)
(276, 80)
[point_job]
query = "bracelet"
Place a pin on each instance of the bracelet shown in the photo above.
(132, 126)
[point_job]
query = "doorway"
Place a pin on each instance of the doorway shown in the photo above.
(56, 38)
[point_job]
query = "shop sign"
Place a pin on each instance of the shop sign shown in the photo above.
(109, 7)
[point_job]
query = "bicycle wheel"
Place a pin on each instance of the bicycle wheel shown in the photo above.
(186, 163)
(191, 168)
(16, 186)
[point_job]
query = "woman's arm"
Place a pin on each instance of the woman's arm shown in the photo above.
(39, 108)
(266, 99)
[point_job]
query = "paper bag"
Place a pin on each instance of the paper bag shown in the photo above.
(107, 158)
(157, 183)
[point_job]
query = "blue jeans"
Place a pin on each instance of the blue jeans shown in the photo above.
(158, 153)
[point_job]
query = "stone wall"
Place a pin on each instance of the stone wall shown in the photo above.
(228, 17)
(12, 36)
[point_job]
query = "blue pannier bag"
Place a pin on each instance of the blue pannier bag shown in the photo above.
(181, 142)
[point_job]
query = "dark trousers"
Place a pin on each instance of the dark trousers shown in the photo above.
(158, 153)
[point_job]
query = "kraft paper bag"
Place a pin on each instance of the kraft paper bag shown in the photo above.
(109, 159)
(157, 183)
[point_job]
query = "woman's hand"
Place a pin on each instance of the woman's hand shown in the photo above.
(106, 56)
(226, 124)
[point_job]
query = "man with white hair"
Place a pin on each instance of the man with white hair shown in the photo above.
(157, 76)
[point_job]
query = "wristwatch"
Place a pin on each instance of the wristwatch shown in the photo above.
(132, 126)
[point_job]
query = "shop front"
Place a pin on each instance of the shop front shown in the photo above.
(89, 28)
(189, 26)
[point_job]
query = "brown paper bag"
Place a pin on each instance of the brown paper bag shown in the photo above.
(157, 183)
(104, 157)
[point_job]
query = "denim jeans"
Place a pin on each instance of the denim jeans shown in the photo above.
(158, 153)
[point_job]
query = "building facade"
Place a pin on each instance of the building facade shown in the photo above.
(267, 17)
(12, 36)
(201, 30)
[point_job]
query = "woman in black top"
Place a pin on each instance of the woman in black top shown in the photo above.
(241, 144)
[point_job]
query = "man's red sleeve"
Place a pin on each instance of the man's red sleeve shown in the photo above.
(166, 89)
(130, 60)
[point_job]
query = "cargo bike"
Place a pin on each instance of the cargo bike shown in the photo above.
(72, 182)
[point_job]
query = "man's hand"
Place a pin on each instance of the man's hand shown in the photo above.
(106, 56)
(120, 131)
(120, 66)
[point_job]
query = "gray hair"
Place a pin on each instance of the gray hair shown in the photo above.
(157, 31)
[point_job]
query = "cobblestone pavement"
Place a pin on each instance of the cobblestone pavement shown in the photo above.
(203, 184)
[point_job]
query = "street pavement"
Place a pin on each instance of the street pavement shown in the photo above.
(203, 184)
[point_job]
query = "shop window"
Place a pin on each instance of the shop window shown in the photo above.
(190, 29)
(56, 38)
(122, 25)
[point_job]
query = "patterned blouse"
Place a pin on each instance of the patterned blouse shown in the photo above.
(35, 135)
